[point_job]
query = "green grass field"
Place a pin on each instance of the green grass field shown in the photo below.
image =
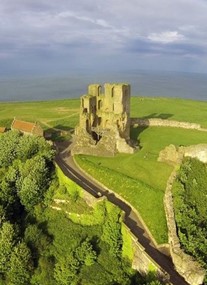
(170, 108)
(139, 178)
(60, 114)
(63, 114)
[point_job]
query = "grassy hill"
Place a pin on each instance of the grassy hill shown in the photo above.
(139, 178)
(170, 108)
(53, 115)
(63, 114)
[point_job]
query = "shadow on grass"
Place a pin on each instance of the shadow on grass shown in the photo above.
(59, 133)
(135, 130)
(163, 116)
(64, 128)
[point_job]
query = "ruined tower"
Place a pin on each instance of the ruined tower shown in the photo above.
(104, 126)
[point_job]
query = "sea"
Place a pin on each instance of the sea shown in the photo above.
(143, 83)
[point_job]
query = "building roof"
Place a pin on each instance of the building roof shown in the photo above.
(23, 126)
(2, 129)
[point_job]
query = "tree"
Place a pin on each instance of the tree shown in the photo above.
(8, 192)
(85, 253)
(20, 265)
(44, 272)
(66, 270)
(33, 182)
(190, 202)
(112, 233)
(7, 240)
(27, 147)
(37, 241)
(8, 143)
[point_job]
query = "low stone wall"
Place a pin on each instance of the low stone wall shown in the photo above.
(198, 151)
(90, 199)
(186, 266)
(174, 155)
(156, 122)
(142, 262)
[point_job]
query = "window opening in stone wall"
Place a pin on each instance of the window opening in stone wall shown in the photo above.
(99, 90)
(99, 104)
(96, 136)
(112, 92)
(99, 121)
(87, 126)
(93, 108)
(118, 124)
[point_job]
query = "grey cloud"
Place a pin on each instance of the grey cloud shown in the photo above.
(45, 28)
(141, 46)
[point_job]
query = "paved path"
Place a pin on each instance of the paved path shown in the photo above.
(66, 163)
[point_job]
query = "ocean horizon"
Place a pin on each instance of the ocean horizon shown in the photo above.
(143, 83)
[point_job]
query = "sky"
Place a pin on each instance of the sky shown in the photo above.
(44, 37)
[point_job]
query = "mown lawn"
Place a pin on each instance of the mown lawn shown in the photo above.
(65, 113)
(61, 114)
(170, 108)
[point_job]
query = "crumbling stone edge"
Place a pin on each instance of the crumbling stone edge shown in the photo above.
(157, 122)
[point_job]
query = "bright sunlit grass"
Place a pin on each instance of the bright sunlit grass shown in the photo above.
(140, 178)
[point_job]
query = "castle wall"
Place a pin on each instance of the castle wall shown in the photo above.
(108, 105)
(156, 122)
(141, 261)
(88, 104)
(94, 89)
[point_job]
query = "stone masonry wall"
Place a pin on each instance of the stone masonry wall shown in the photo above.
(165, 123)
(142, 262)
(197, 151)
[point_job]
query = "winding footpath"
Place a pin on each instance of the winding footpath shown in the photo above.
(65, 161)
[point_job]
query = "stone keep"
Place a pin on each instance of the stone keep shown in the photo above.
(104, 126)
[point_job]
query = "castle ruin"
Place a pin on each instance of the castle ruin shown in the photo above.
(104, 126)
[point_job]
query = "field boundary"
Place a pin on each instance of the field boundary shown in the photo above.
(157, 122)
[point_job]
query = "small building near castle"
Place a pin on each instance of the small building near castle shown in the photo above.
(104, 125)
(27, 128)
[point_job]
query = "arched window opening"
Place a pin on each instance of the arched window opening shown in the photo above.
(99, 104)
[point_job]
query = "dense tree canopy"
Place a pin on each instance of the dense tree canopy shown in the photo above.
(25, 176)
(190, 202)
(40, 245)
